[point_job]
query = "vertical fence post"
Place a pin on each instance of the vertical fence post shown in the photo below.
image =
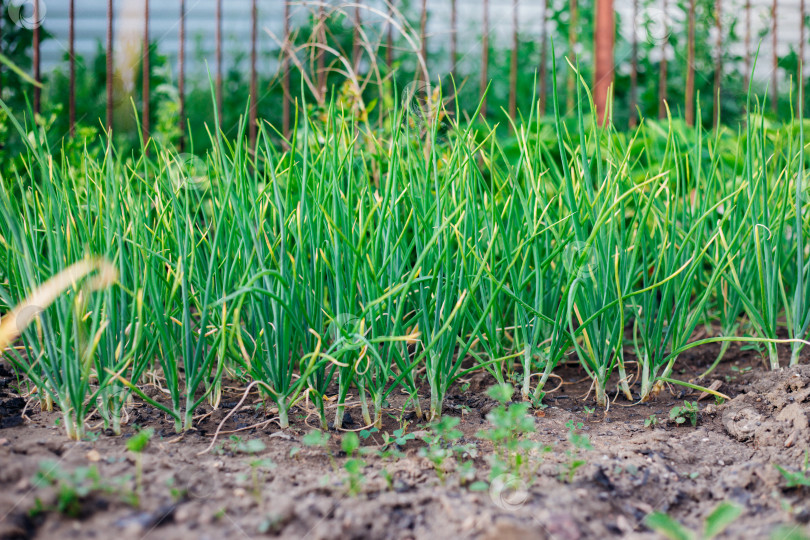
(543, 58)
(423, 38)
(747, 74)
(358, 21)
(254, 15)
(775, 43)
(690, 68)
(801, 54)
(453, 36)
(181, 75)
(718, 66)
(320, 63)
(389, 38)
(218, 39)
(110, 65)
(2, 17)
(572, 42)
(513, 69)
(72, 68)
(36, 59)
(634, 68)
(485, 60)
(146, 75)
(662, 71)
(285, 81)
(604, 40)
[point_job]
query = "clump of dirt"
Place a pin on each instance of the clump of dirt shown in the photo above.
(283, 488)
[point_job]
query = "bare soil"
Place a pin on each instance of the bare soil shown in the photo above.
(632, 470)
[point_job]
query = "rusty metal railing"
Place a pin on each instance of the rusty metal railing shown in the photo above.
(423, 36)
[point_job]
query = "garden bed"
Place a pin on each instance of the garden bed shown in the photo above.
(234, 491)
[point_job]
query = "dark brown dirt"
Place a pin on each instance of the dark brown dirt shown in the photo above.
(682, 470)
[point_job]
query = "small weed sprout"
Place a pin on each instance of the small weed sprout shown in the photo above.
(253, 446)
(256, 466)
(353, 466)
(651, 421)
(137, 444)
(689, 411)
(72, 488)
(510, 425)
(319, 439)
(579, 443)
(715, 523)
(440, 439)
(798, 478)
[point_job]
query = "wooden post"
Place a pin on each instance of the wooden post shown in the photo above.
(254, 26)
(285, 81)
(632, 122)
(690, 68)
(570, 89)
(181, 77)
(604, 41)
(543, 58)
(513, 69)
(110, 65)
(718, 65)
(36, 59)
(775, 43)
(146, 74)
(485, 60)
(662, 69)
(72, 60)
(218, 39)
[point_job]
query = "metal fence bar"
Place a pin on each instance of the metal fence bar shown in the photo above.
(2, 18)
(543, 57)
(218, 38)
(358, 21)
(254, 15)
(389, 39)
(662, 73)
(72, 68)
(110, 66)
(320, 63)
(36, 59)
(689, 107)
(801, 53)
(718, 66)
(774, 36)
(285, 81)
(453, 37)
(604, 41)
(573, 18)
(423, 34)
(634, 68)
(484, 60)
(747, 74)
(573, 38)
(147, 71)
(181, 76)
(513, 69)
